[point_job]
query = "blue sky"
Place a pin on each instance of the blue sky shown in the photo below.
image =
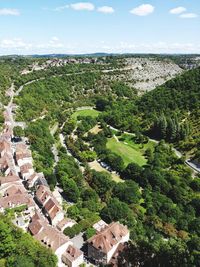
(70, 26)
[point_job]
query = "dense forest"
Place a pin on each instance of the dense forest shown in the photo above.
(20, 249)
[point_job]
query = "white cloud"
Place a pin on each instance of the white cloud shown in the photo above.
(54, 42)
(177, 10)
(106, 9)
(15, 43)
(83, 6)
(54, 46)
(143, 10)
(9, 12)
(188, 16)
(157, 47)
(60, 8)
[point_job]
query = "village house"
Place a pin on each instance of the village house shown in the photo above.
(66, 222)
(43, 193)
(103, 246)
(7, 165)
(5, 148)
(12, 190)
(100, 225)
(32, 180)
(11, 179)
(49, 236)
(35, 180)
(49, 204)
(26, 171)
(72, 257)
(11, 187)
(7, 133)
(53, 211)
(17, 199)
(23, 155)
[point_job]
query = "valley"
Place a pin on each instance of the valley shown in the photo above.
(116, 140)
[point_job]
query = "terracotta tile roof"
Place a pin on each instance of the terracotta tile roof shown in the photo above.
(72, 253)
(23, 155)
(22, 151)
(13, 190)
(49, 205)
(25, 168)
(3, 162)
(109, 237)
(64, 222)
(35, 227)
(33, 176)
(49, 235)
(9, 179)
(21, 147)
(53, 212)
(43, 193)
(7, 134)
(7, 162)
(36, 216)
(5, 146)
(16, 200)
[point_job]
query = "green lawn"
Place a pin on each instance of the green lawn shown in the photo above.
(128, 150)
(87, 112)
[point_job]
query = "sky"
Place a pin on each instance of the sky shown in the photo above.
(112, 26)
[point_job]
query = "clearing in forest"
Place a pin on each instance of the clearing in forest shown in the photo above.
(87, 112)
(128, 150)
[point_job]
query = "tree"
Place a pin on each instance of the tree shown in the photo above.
(116, 210)
(90, 232)
(195, 184)
(102, 184)
(195, 226)
(18, 131)
(73, 212)
(70, 188)
(69, 126)
(88, 155)
(7, 244)
(127, 192)
(21, 249)
(132, 172)
(23, 261)
(114, 161)
(101, 104)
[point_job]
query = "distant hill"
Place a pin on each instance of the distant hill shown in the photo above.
(182, 92)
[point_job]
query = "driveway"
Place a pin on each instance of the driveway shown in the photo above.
(78, 241)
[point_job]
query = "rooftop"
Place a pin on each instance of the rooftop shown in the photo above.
(72, 253)
(109, 237)
(49, 235)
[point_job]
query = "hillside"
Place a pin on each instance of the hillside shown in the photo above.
(148, 73)
(142, 73)
(179, 100)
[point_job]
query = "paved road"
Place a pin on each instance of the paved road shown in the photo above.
(193, 165)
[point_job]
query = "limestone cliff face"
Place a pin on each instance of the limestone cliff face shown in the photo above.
(147, 73)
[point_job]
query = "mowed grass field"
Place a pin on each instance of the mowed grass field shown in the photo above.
(86, 112)
(128, 150)
(97, 167)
